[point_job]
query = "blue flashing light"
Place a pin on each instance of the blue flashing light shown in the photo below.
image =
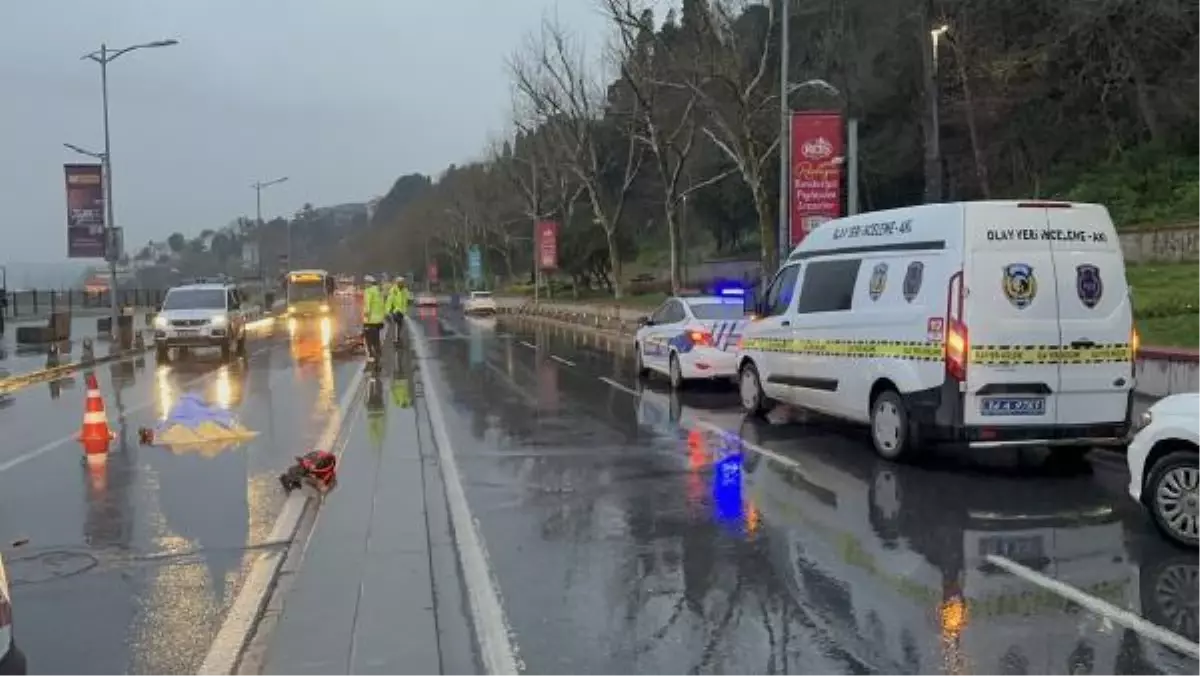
(731, 292)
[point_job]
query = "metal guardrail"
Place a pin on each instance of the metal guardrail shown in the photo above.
(607, 319)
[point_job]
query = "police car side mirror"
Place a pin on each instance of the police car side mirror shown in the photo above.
(645, 321)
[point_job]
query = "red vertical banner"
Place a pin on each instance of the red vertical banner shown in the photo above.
(547, 245)
(433, 273)
(85, 211)
(818, 160)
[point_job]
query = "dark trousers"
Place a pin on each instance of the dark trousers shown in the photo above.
(371, 337)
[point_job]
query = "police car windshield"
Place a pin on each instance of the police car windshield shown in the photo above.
(195, 299)
(717, 309)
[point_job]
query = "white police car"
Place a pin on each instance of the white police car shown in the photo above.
(1163, 476)
(692, 337)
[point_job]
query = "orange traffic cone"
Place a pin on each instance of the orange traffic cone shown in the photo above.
(95, 434)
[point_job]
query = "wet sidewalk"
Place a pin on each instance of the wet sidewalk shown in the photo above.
(377, 589)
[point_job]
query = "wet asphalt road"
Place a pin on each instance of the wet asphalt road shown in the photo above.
(626, 536)
(130, 566)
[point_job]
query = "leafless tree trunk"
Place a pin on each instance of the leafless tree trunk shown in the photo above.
(665, 122)
(735, 100)
(554, 81)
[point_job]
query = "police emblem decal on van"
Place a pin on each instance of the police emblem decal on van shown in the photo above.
(878, 281)
(912, 280)
(1088, 284)
(1020, 286)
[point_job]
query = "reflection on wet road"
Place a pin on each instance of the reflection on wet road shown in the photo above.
(130, 565)
(633, 530)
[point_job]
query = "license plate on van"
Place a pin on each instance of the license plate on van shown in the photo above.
(1019, 548)
(1004, 406)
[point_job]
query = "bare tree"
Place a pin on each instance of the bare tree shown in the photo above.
(554, 81)
(664, 116)
(735, 97)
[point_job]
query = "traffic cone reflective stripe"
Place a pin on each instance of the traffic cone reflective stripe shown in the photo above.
(95, 433)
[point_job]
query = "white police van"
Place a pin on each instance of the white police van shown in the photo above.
(984, 324)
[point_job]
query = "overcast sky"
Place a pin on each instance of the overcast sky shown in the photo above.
(342, 96)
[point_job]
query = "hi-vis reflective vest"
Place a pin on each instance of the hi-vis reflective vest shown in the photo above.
(374, 308)
(397, 300)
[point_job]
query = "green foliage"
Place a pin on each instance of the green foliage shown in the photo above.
(1146, 185)
(1166, 303)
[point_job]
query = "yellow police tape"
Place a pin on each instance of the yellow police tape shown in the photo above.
(993, 355)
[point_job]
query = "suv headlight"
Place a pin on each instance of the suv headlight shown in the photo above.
(160, 322)
(220, 320)
(1143, 421)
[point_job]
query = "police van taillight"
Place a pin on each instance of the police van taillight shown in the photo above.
(957, 341)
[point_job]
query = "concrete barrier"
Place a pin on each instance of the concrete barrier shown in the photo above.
(1161, 371)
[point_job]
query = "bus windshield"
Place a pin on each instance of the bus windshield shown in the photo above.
(306, 290)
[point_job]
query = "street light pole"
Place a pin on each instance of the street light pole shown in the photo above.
(258, 188)
(785, 202)
(933, 154)
(104, 56)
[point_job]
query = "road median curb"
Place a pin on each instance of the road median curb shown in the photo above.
(241, 622)
(11, 384)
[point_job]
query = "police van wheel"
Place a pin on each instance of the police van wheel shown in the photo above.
(754, 400)
(676, 373)
(640, 369)
(889, 426)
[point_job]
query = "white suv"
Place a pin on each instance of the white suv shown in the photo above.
(201, 315)
(1163, 472)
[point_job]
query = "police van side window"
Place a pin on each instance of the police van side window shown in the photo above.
(779, 296)
(828, 286)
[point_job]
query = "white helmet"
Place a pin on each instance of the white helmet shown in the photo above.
(369, 279)
(399, 279)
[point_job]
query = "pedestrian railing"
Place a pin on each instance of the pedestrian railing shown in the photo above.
(34, 303)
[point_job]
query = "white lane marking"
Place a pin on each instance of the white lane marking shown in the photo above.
(619, 386)
(1118, 615)
(560, 360)
(528, 344)
(50, 446)
(227, 647)
(491, 625)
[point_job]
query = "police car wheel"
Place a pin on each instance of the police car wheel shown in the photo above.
(754, 400)
(1172, 497)
(677, 380)
(889, 425)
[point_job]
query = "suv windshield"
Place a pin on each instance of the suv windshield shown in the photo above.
(195, 299)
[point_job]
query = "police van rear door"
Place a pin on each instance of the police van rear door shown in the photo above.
(1011, 316)
(1095, 315)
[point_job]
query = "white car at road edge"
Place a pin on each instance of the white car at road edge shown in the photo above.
(1163, 472)
(692, 338)
(480, 302)
(12, 660)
